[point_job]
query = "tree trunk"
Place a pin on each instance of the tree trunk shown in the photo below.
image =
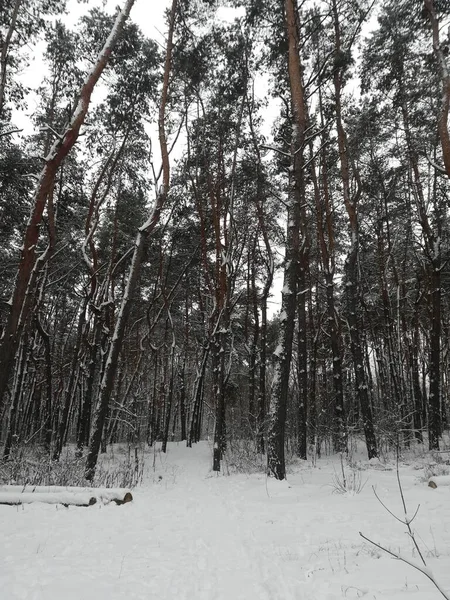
(48, 427)
(326, 240)
(351, 266)
(107, 382)
(182, 399)
(218, 365)
(196, 413)
(445, 78)
(434, 411)
(17, 391)
(71, 386)
(86, 405)
(302, 369)
(5, 52)
(283, 353)
(169, 400)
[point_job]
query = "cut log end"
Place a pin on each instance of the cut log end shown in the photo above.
(439, 481)
(127, 498)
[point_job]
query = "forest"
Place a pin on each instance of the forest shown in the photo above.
(166, 187)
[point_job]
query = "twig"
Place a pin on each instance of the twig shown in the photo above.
(423, 569)
(408, 521)
(391, 513)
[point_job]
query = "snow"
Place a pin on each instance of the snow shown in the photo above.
(440, 480)
(14, 498)
(190, 534)
(278, 351)
(26, 494)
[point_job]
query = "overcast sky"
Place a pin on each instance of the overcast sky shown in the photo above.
(149, 14)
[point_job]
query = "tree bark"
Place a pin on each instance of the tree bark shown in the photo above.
(326, 239)
(283, 354)
(351, 265)
(107, 382)
(445, 78)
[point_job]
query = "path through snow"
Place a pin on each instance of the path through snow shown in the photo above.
(190, 535)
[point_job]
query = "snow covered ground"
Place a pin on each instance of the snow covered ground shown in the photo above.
(191, 535)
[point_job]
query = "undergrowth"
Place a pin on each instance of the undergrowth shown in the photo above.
(348, 480)
(435, 467)
(120, 467)
(241, 457)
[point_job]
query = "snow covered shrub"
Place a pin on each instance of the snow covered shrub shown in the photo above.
(348, 480)
(241, 457)
(122, 467)
(434, 469)
(394, 433)
(33, 466)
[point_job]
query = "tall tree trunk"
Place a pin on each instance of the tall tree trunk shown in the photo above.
(107, 382)
(414, 366)
(169, 399)
(283, 354)
(270, 266)
(434, 397)
(351, 265)
(302, 363)
(71, 386)
(445, 78)
(48, 384)
(326, 241)
(218, 365)
(196, 412)
(252, 300)
(17, 392)
(182, 399)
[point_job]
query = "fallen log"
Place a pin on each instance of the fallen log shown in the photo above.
(65, 498)
(103, 495)
(438, 481)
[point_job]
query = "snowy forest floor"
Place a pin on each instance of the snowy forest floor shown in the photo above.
(190, 534)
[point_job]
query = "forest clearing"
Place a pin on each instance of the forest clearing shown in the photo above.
(191, 534)
(196, 430)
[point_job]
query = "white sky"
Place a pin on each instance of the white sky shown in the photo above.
(149, 14)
